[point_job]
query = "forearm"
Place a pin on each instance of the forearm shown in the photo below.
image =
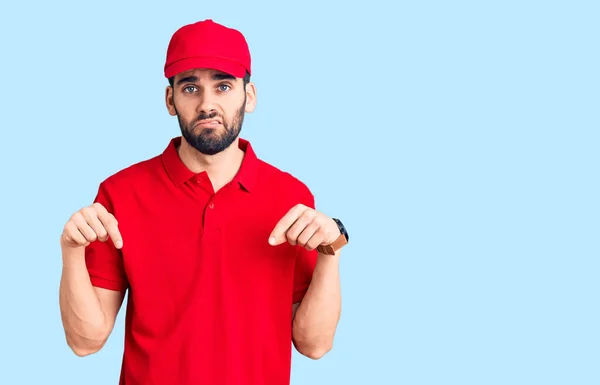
(85, 324)
(317, 316)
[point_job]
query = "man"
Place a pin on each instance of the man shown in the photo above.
(224, 258)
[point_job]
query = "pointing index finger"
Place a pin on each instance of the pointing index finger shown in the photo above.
(277, 236)
(111, 226)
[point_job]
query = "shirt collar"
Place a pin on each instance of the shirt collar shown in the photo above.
(179, 173)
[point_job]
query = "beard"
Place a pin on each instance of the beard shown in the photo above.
(210, 141)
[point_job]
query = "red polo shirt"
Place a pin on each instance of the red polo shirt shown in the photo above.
(209, 300)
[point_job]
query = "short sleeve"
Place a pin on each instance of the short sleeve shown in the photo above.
(305, 260)
(104, 261)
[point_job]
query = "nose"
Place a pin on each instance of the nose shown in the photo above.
(207, 103)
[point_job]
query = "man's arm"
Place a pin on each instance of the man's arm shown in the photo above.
(316, 317)
(88, 313)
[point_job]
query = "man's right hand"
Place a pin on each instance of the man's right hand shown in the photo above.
(89, 224)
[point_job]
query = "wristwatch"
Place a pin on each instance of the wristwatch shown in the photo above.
(340, 242)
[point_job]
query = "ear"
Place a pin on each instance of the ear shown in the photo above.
(169, 101)
(250, 97)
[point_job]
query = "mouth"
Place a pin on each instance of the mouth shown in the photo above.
(208, 123)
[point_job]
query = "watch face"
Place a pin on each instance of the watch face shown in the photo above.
(342, 229)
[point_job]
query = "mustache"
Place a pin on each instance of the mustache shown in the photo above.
(203, 116)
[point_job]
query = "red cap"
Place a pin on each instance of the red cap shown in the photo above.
(206, 44)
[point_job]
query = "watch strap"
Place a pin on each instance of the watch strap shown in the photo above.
(333, 247)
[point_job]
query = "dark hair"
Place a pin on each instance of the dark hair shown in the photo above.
(246, 80)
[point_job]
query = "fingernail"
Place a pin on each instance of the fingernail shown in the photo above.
(272, 240)
(118, 244)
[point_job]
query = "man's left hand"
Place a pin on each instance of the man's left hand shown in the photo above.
(306, 227)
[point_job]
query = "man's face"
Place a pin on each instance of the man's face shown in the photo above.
(210, 107)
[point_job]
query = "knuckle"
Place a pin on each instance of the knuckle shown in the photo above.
(86, 211)
(69, 227)
(66, 236)
(307, 217)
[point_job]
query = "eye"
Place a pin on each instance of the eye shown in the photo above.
(189, 89)
(224, 88)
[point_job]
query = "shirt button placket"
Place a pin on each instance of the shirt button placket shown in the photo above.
(208, 216)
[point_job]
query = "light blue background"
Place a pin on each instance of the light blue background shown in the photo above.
(457, 140)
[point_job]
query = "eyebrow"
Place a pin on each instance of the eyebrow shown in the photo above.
(217, 76)
(188, 79)
(223, 76)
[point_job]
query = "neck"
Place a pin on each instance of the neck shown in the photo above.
(221, 168)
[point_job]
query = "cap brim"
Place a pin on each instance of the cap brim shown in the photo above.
(223, 65)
